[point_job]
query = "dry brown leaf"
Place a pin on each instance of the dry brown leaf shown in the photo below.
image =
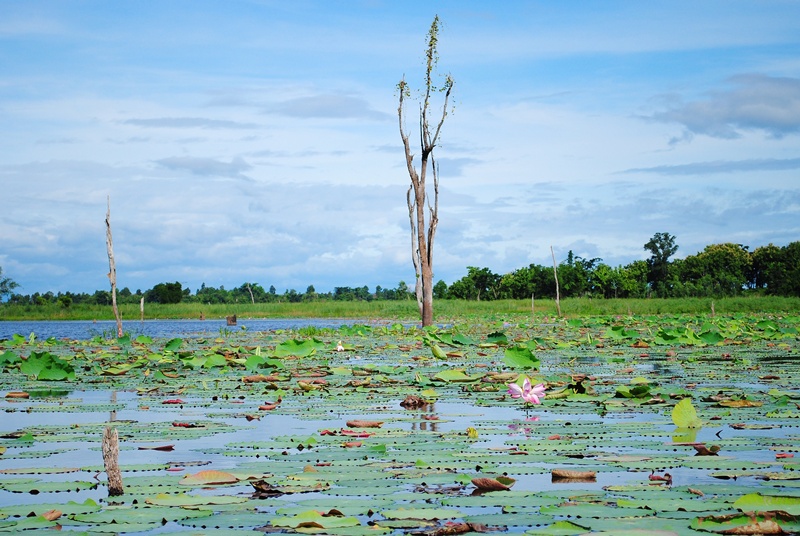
(453, 528)
(256, 378)
(702, 450)
(364, 424)
(489, 484)
(413, 402)
(17, 394)
(52, 515)
(740, 403)
(572, 476)
(761, 527)
(309, 525)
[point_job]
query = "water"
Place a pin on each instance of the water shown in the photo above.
(87, 329)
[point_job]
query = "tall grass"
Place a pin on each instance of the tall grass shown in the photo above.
(444, 310)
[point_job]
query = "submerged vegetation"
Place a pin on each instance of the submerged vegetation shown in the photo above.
(673, 424)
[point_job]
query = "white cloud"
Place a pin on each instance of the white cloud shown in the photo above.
(261, 143)
(755, 102)
(207, 167)
(188, 122)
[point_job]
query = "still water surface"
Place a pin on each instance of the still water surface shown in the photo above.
(87, 329)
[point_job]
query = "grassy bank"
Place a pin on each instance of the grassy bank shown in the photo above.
(407, 310)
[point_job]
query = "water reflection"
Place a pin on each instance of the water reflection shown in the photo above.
(429, 419)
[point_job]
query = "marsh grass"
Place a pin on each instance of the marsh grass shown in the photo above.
(407, 310)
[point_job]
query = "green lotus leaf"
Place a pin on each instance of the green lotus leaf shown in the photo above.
(421, 513)
(315, 519)
(520, 357)
(685, 416)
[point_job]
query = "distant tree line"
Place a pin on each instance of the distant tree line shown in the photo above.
(246, 293)
(719, 270)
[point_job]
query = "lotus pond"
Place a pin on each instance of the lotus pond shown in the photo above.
(666, 425)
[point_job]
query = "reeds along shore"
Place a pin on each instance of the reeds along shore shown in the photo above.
(407, 310)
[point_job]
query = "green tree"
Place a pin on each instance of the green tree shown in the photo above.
(292, 296)
(165, 293)
(484, 281)
(532, 280)
(101, 297)
(661, 247)
(790, 286)
(777, 270)
(718, 270)
(605, 281)
(418, 199)
(479, 283)
(311, 294)
(401, 292)
(574, 274)
(767, 268)
(633, 280)
(7, 285)
(440, 290)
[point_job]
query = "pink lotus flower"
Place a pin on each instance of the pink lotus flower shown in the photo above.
(531, 395)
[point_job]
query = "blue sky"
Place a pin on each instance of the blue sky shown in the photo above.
(257, 141)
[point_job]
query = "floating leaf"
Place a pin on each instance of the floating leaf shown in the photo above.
(748, 523)
(183, 500)
(489, 484)
(315, 519)
(208, 478)
(299, 348)
(421, 513)
(756, 502)
(457, 375)
(740, 403)
(358, 423)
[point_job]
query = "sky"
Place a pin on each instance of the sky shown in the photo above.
(258, 140)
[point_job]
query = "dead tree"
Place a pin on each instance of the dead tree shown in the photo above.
(555, 275)
(110, 447)
(417, 197)
(112, 269)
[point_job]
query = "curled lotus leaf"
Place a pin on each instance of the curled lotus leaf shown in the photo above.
(489, 484)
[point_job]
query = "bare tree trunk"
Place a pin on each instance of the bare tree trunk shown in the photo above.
(555, 274)
(112, 269)
(415, 250)
(141, 310)
(111, 461)
(252, 299)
